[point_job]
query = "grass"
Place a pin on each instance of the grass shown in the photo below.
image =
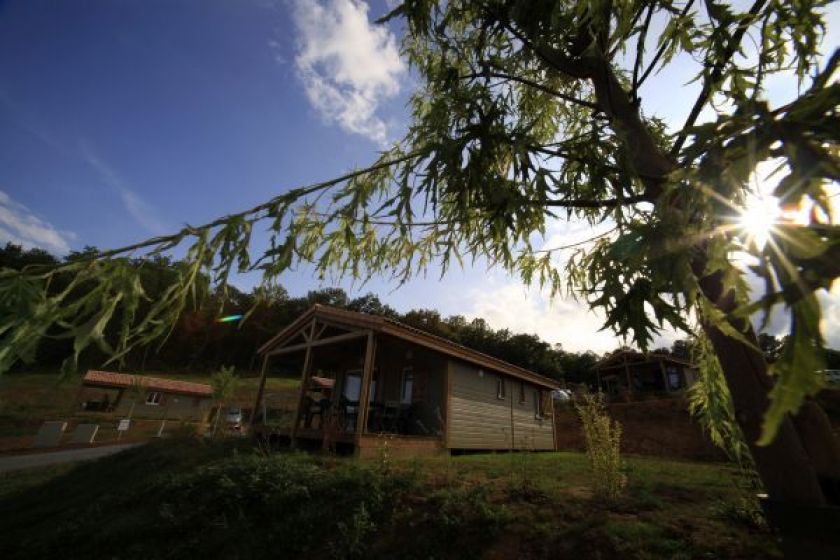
(227, 500)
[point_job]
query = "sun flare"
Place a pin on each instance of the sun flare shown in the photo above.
(758, 217)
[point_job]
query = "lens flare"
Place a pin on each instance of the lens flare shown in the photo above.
(229, 318)
(758, 217)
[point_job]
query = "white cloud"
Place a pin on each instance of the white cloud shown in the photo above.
(509, 304)
(142, 212)
(506, 302)
(347, 65)
(20, 226)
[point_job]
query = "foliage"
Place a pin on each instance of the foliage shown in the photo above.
(709, 401)
(222, 499)
(198, 341)
(224, 383)
(744, 506)
(603, 446)
(771, 346)
(528, 112)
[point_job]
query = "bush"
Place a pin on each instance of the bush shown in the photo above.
(603, 439)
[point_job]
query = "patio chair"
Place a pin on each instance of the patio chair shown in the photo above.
(390, 418)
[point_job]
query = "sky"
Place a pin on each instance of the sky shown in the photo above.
(120, 120)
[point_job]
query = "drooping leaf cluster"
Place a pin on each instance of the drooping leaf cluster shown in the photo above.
(198, 341)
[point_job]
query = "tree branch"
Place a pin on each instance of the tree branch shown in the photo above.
(650, 162)
(552, 57)
(640, 50)
(661, 50)
(168, 241)
(713, 77)
(606, 203)
(533, 84)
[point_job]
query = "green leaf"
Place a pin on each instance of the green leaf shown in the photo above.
(799, 369)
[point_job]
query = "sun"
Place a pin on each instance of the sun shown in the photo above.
(758, 218)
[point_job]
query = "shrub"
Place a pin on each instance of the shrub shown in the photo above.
(603, 438)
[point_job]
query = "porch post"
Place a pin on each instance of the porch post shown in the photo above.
(627, 374)
(364, 392)
(119, 398)
(664, 375)
(304, 376)
(263, 374)
(554, 419)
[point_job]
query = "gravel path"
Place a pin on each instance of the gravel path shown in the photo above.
(31, 460)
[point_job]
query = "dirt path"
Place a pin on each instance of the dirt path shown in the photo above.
(31, 460)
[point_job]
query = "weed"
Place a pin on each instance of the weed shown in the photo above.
(603, 439)
(384, 458)
(742, 505)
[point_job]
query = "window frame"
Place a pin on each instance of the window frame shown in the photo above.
(407, 374)
(522, 398)
(539, 408)
(501, 391)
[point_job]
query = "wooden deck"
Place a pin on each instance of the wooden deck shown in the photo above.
(369, 444)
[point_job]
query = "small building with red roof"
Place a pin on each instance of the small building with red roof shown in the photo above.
(144, 396)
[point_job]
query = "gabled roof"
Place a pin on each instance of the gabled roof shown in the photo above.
(401, 331)
(94, 378)
(635, 357)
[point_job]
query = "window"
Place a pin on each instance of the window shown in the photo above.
(352, 390)
(521, 392)
(353, 385)
(500, 388)
(674, 380)
(407, 385)
(539, 405)
(153, 397)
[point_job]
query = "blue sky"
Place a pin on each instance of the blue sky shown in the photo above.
(125, 119)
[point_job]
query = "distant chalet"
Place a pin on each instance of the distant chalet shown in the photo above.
(367, 379)
(150, 397)
(627, 375)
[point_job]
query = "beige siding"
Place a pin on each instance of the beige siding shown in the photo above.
(173, 407)
(480, 420)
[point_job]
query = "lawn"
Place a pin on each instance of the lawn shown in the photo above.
(186, 498)
(26, 400)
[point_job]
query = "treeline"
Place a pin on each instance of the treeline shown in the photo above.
(199, 342)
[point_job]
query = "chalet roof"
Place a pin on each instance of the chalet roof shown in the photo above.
(94, 378)
(410, 334)
(635, 357)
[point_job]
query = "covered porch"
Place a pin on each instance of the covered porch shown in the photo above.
(359, 388)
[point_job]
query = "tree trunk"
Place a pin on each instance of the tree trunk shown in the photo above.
(785, 467)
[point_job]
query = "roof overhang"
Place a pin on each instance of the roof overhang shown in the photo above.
(363, 322)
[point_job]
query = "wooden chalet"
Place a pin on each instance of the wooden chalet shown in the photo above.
(367, 380)
(156, 397)
(629, 375)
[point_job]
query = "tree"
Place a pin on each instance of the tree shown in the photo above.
(771, 346)
(578, 366)
(530, 111)
(682, 348)
(224, 383)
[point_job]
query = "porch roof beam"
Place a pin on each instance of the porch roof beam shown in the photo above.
(321, 342)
